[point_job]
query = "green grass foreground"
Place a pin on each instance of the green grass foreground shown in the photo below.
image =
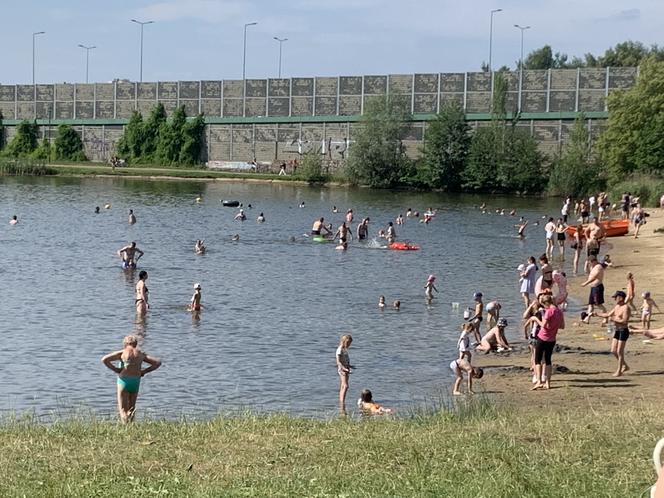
(475, 451)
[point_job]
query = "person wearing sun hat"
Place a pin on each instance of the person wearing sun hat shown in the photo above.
(619, 315)
(430, 287)
(196, 299)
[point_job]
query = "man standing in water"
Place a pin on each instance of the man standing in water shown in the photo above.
(596, 282)
(128, 255)
(318, 226)
(391, 235)
(619, 315)
(132, 217)
(363, 229)
(343, 233)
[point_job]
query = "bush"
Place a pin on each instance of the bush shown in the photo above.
(649, 188)
(24, 167)
(68, 145)
(42, 153)
(311, 168)
(25, 141)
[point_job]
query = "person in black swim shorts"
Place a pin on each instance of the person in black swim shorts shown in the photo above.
(619, 315)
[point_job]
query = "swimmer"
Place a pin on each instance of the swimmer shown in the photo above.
(646, 309)
(368, 406)
(318, 226)
(260, 219)
(343, 233)
(199, 248)
(107, 206)
(430, 287)
(97, 210)
(142, 305)
(334, 209)
(195, 304)
(199, 199)
(390, 233)
(132, 217)
(381, 302)
(461, 366)
(363, 229)
(129, 373)
(343, 368)
(409, 213)
(521, 233)
(129, 257)
(349, 217)
(235, 237)
(14, 220)
(399, 220)
(301, 205)
(396, 305)
(240, 216)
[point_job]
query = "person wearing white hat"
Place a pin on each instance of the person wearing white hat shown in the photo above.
(430, 287)
(196, 299)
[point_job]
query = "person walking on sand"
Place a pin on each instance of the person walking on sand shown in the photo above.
(619, 315)
(551, 322)
(630, 291)
(647, 309)
(343, 368)
(129, 372)
(142, 305)
(430, 287)
(528, 279)
(596, 282)
(459, 366)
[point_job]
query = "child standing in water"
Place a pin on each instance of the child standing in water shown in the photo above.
(381, 302)
(430, 287)
(196, 299)
(646, 309)
(343, 368)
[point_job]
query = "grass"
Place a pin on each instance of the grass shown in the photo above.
(474, 451)
(648, 188)
(23, 167)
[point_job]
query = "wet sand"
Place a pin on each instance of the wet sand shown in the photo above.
(583, 365)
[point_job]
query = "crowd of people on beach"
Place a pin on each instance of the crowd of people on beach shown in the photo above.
(542, 287)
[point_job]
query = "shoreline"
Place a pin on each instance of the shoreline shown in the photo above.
(583, 364)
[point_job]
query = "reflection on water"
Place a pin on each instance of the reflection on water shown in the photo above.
(275, 304)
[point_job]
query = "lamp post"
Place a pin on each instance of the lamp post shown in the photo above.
(491, 38)
(34, 35)
(87, 58)
(281, 42)
(522, 28)
(142, 24)
(244, 66)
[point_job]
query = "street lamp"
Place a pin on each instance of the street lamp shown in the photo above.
(522, 28)
(87, 59)
(34, 35)
(141, 23)
(491, 37)
(244, 66)
(281, 41)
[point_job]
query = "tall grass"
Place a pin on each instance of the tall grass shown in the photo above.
(23, 167)
(472, 450)
(648, 187)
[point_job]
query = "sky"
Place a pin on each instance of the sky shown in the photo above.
(203, 39)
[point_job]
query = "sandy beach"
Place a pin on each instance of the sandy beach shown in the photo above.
(583, 365)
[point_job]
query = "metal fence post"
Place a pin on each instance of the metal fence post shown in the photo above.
(438, 96)
(578, 82)
(412, 95)
(606, 90)
(115, 99)
(465, 91)
(74, 111)
(548, 90)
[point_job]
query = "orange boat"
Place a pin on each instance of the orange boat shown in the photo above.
(403, 246)
(613, 228)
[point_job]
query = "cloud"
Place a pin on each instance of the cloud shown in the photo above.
(211, 11)
(626, 15)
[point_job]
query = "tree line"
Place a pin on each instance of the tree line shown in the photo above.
(503, 157)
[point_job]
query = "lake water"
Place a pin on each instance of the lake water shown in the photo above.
(274, 309)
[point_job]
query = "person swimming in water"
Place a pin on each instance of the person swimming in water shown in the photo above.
(199, 248)
(130, 255)
(132, 217)
(195, 304)
(381, 302)
(363, 229)
(240, 216)
(97, 210)
(260, 219)
(14, 220)
(129, 373)
(318, 226)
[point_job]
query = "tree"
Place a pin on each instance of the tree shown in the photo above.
(2, 132)
(151, 129)
(193, 142)
(629, 54)
(544, 58)
(68, 144)
(634, 138)
(25, 140)
(447, 140)
(170, 138)
(575, 172)
(378, 157)
(44, 152)
(131, 143)
(311, 168)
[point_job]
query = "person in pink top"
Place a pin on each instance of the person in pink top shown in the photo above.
(551, 322)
